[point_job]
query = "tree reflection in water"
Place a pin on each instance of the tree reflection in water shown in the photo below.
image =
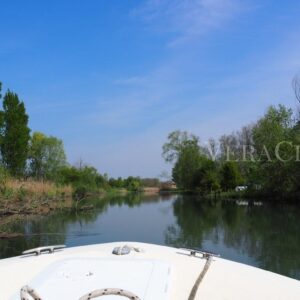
(268, 234)
(52, 229)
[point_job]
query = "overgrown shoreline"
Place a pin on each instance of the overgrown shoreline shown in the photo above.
(24, 198)
(20, 198)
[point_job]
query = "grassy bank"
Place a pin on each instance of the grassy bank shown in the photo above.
(28, 197)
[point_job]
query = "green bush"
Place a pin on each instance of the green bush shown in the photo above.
(80, 192)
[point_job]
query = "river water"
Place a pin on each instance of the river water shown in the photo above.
(257, 234)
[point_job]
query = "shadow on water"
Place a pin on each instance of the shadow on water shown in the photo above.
(267, 236)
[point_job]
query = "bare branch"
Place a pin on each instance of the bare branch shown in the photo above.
(296, 87)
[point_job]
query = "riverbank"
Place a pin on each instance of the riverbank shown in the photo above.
(239, 195)
(28, 197)
(19, 198)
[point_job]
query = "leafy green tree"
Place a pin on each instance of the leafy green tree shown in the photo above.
(296, 88)
(206, 178)
(192, 169)
(230, 175)
(133, 183)
(14, 134)
(187, 165)
(101, 181)
(116, 183)
(275, 129)
(294, 165)
(177, 140)
(84, 178)
(46, 155)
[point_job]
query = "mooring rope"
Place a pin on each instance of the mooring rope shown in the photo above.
(194, 290)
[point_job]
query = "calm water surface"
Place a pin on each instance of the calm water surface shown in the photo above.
(260, 235)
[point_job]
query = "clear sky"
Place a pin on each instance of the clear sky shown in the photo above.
(113, 77)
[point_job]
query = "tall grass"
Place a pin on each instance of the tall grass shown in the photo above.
(37, 187)
(14, 189)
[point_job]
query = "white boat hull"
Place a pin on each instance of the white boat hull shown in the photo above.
(155, 273)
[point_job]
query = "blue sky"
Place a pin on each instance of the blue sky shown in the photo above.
(113, 78)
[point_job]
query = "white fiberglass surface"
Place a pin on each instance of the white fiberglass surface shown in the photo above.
(72, 278)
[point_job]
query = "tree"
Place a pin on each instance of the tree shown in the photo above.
(194, 166)
(116, 183)
(177, 140)
(132, 183)
(47, 156)
(187, 165)
(14, 134)
(273, 129)
(230, 175)
(211, 149)
(296, 87)
(229, 147)
(85, 177)
(206, 177)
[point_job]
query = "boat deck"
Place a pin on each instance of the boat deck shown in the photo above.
(155, 273)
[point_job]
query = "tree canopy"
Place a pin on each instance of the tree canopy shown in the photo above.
(46, 156)
(15, 134)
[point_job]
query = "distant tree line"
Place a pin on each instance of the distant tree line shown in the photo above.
(133, 183)
(263, 157)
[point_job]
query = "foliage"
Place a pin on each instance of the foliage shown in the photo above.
(230, 176)
(207, 177)
(193, 168)
(272, 130)
(86, 176)
(80, 192)
(14, 134)
(116, 183)
(187, 165)
(46, 156)
(132, 183)
(177, 141)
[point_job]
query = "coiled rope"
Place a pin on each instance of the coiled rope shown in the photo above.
(105, 292)
(28, 293)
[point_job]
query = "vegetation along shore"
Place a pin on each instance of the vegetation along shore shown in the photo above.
(261, 160)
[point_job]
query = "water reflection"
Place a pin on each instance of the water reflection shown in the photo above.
(266, 236)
